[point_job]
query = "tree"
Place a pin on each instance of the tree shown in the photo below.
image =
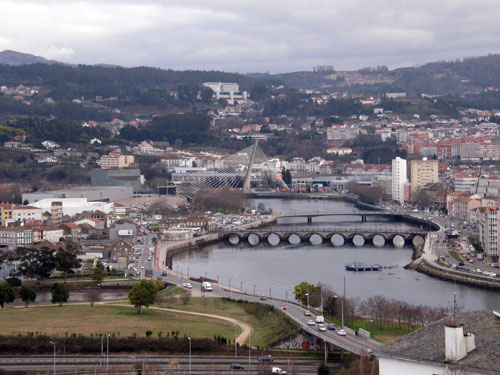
(6, 294)
(302, 290)
(186, 297)
(98, 274)
(323, 369)
(67, 259)
(60, 293)
(36, 263)
(143, 294)
(93, 296)
(286, 176)
(27, 295)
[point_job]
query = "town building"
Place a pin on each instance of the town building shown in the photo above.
(398, 179)
(423, 172)
(489, 233)
(13, 237)
(115, 160)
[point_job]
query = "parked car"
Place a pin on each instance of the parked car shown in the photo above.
(267, 358)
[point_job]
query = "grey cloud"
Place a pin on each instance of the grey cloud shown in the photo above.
(249, 35)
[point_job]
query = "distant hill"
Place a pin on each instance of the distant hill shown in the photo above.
(470, 75)
(9, 57)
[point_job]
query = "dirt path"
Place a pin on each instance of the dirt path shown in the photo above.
(246, 330)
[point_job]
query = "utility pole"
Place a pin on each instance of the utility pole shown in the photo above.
(343, 298)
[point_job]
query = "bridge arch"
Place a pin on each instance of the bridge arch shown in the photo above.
(273, 239)
(378, 240)
(358, 240)
(253, 239)
(337, 240)
(234, 239)
(315, 239)
(294, 239)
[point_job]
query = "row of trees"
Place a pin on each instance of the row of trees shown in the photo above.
(60, 294)
(34, 263)
(380, 309)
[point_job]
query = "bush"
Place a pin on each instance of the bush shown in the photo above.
(14, 281)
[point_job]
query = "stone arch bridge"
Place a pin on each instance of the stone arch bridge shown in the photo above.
(336, 237)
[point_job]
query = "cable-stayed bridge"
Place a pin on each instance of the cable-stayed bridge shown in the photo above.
(235, 172)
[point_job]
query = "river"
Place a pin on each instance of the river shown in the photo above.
(276, 270)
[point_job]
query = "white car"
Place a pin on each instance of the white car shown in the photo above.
(341, 332)
(322, 327)
(187, 285)
(142, 267)
(310, 322)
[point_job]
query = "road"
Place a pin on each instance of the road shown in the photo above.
(294, 311)
(124, 364)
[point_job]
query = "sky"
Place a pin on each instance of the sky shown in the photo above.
(244, 36)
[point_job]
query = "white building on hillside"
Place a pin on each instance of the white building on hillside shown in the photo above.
(398, 179)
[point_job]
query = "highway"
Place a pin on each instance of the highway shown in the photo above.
(159, 364)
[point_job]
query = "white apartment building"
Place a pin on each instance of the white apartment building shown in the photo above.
(338, 134)
(464, 183)
(227, 90)
(398, 179)
(490, 234)
(21, 213)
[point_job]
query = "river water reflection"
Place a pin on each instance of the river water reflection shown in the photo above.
(276, 270)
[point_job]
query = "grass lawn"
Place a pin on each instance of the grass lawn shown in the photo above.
(267, 325)
(455, 256)
(108, 318)
(172, 291)
(389, 332)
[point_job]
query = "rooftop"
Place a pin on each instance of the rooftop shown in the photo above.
(428, 343)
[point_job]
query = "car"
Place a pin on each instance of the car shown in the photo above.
(322, 327)
(263, 298)
(307, 313)
(142, 267)
(283, 307)
(341, 332)
(331, 327)
(187, 285)
(310, 322)
(266, 358)
(236, 366)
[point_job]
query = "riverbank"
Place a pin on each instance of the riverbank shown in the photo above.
(458, 277)
(166, 250)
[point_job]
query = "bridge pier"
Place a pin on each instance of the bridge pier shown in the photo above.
(363, 218)
(309, 220)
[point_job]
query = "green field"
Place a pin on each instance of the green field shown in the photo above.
(86, 320)
(268, 326)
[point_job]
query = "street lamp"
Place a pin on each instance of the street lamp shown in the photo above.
(249, 348)
(107, 351)
(53, 343)
(189, 339)
(235, 353)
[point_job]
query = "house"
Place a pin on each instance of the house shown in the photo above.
(72, 230)
(470, 345)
